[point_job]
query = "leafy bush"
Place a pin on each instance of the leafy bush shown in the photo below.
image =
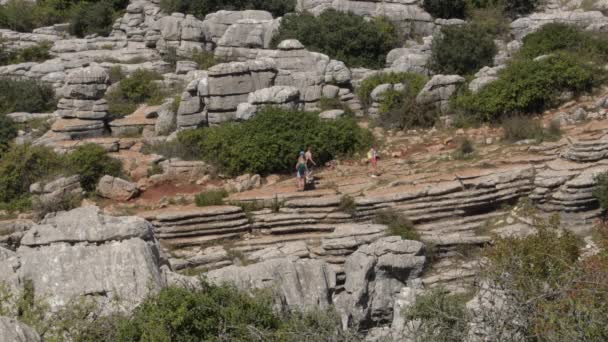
(22, 166)
(528, 86)
(25, 96)
(210, 197)
(445, 9)
(600, 192)
(271, 140)
(35, 53)
(343, 36)
(464, 149)
(462, 50)
(414, 81)
(511, 8)
(200, 8)
(557, 37)
(8, 132)
(348, 205)
(92, 162)
(204, 59)
(92, 18)
(134, 90)
(85, 16)
(443, 316)
(398, 224)
(517, 128)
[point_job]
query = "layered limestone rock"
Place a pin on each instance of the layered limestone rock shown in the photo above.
(406, 14)
(218, 23)
(592, 21)
(140, 17)
(182, 33)
(414, 58)
(52, 193)
(438, 90)
(273, 77)
(375, 275)
(301, 284)
(116, 188)
(190, 227)
(141, 123)
(484, 77)
(243, 39)
(82, 109)
(12, 330)
(85, 253)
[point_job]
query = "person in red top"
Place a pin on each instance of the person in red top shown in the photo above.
(372, 156)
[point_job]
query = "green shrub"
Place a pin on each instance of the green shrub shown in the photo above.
(24, 165)
(210, 197)
(527, 86)
(92, 162)
(518, 128)
(115, 73)
(92, 18)
(445, 9)
(34, 53)
(443, 316)
(342, 36)
(134, 90)
(464, 150)
(204, 59)
(462, 50)
(25, 96)
(348, 205)
(271, 140)
(200, 8)
(85, 16)
(600, 192)
(557, 37)
(398, 224)
(412, 81)
(8, 132)
(510, 8)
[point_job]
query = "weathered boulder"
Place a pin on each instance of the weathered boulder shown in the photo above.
(484, 77)
(301, 284)
(11, 330)
(438, 90)
(47, 195)
(375, 274)
(85, 253)
(591, 20)
(116, 188)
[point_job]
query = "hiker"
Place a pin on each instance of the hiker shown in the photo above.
(309, 160)
(372, 156)
(301, 171)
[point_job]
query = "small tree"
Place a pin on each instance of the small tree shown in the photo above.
(445, 9)
(462, 50)
(92, 162)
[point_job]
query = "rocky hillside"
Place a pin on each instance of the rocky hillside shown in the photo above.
(146, 158)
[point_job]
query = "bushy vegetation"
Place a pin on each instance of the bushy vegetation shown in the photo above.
(92, 18)
(398, 109)
(510, 8)
(200, 8)
(557, 37)
(210, 197)
(443, 316)
(398, 224)
(8, 132)
(86, 17)
(35, 53)
(342, 36)
(600, 192)
(464, 150)
(205, 313)
(270, 142)
(348, 205)
(20, 167)
(518, 128)
(445, 9)
(134, 90)
(529, 86)
(462, 50)
(25, 96)
(92, 162)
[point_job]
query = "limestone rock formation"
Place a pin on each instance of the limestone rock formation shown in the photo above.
(85, 253)
(438, 90)
(592, 20)
(116, 188)
(12, 330)
(301, 284)
(375, 274)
